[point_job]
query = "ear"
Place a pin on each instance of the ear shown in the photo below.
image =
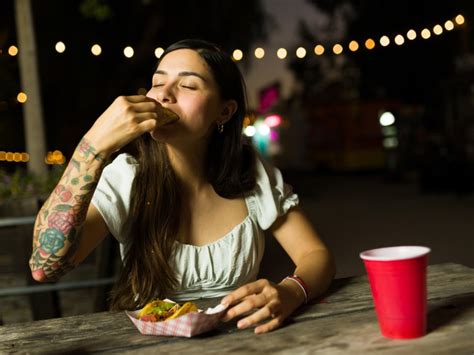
(228, 110)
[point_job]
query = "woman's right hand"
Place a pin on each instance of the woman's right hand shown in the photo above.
(124, 120)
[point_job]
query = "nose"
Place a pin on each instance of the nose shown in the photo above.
(163, 94)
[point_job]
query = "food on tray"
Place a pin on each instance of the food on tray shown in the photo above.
(159, 310)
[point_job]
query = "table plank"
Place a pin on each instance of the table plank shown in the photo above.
(344, 322)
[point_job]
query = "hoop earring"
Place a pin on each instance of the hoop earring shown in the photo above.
(220, 128)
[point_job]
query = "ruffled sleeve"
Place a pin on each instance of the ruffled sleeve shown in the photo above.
(112, 195)
(272, 197)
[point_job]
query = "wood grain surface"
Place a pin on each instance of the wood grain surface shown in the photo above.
(343, 322)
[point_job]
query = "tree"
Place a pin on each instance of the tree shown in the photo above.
(33, 110)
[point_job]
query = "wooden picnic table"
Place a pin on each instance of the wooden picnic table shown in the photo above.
(343, 322)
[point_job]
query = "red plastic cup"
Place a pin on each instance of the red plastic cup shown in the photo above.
(397, 277)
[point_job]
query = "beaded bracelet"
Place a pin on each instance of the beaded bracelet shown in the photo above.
(301, 284)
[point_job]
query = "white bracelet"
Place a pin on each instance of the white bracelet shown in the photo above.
(298, 281)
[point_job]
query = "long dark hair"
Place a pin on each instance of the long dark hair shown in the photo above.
(156, 198)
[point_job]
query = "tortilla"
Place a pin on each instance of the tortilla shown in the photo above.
(166, 116)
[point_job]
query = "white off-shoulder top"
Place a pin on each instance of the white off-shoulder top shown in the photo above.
(215, 269)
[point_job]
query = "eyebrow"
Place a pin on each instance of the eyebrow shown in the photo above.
(183, 73)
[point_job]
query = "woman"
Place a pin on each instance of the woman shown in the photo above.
(188, 203)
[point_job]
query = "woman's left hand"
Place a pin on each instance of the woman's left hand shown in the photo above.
(270, 301)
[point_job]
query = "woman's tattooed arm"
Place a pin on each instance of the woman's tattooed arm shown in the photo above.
(58, 224)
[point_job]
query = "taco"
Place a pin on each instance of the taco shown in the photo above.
(166, 116)
(159, 310)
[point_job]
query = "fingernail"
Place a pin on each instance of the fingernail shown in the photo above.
(242, 324)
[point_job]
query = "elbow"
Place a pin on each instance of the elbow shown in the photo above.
(39, 275)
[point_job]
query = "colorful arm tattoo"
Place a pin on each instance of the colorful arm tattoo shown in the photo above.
(59, 221)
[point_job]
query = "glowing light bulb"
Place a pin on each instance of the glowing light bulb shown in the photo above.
(237, 54)
(301, 52)
(319, 49)
(128, 52)
(259, 53)
(353, 46)
(96, 50)
(282, 53)
(159, 52)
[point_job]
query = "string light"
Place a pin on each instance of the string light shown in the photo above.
(96, 50)
(159, 52)
(60, 47)
(282, 53)
(237, 54)
(411, 35)
(426, 33)
(300, 52)
(15, 157)
(13, 50)
(337, 49)
(128, 52)
(259, 53)
(437, 30)
(319, 49)
(459, 19)
(384, 41)
(399, 40)
(449, 25)
(353, 46)
(55, 157)
(370, 43)
(21, 97)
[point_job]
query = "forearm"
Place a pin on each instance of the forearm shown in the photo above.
(58, 224)
(316, 269)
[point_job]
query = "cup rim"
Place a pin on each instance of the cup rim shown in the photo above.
(402, 252)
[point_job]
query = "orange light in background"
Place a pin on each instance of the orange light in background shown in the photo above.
(21, 97)
(13, 50)
(337, 49)
(55, 157)
(319, 50)
(25, 157)
(353, 46)
(3, 155)
(370, 43)
(246, 121)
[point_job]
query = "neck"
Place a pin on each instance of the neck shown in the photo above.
(188, 164)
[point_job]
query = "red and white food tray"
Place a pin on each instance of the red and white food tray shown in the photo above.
(187, 325)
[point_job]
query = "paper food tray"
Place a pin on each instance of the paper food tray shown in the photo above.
(187, 325)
